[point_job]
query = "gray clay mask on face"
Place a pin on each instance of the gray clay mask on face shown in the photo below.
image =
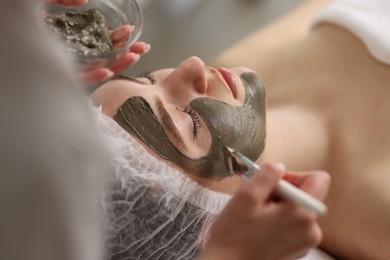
(239, 127)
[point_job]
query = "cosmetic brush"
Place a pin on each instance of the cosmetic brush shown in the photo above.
(240, 165)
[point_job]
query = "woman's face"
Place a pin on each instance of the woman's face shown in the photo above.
(169, 93)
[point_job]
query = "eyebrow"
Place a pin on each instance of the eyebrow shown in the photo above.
(168, 122)
(123, 77)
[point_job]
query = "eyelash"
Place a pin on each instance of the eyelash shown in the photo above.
(148, 75)
(195, 120)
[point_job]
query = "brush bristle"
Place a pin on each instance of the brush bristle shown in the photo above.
(232, 162)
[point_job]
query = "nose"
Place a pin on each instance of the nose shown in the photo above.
(190, 75)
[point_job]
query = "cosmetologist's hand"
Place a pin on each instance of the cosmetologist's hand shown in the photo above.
(67, 2)
(119, 36)
(127, 59)
(254, 226)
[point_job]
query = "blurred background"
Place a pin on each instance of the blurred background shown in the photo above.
(177, 29)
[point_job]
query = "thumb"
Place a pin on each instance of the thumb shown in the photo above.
(267, 178)
(257, 190)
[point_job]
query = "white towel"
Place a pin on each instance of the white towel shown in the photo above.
(369, 20)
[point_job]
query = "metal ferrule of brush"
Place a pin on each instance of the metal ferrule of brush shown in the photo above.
(239, 165)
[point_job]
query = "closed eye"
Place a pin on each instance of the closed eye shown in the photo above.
(195, 120)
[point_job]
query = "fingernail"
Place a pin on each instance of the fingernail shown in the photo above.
(132, 28)
(136, 57)
(148, 47)
(118, 35)
(109, 75)
(73, 2)
(280, 166)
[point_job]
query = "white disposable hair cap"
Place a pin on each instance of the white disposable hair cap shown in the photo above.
(152, 210)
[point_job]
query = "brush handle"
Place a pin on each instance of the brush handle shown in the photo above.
(291, 193)
(284, 189)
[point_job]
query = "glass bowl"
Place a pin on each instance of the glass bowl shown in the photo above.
(116, 13)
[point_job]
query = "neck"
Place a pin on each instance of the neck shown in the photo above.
(295, 137)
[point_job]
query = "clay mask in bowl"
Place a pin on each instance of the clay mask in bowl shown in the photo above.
(85, 30)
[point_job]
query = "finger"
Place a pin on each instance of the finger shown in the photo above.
(316, 236)
(257, 190)
(67, 2)
(95, 76)
(124, 62)
(119, 45)
(315, 183)
(301, 222)
(262, 178)
(140, 48)
(310, 234)
(266, 179)
(121, 33)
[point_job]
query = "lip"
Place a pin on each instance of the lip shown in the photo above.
(230, 80)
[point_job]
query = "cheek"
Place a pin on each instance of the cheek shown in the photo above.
(216, 92)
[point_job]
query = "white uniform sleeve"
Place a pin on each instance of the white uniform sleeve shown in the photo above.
(49, 174)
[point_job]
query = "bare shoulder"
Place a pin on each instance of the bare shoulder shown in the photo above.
(290, 28)
(356, 225)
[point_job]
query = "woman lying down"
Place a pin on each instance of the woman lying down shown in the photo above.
(166, 131)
